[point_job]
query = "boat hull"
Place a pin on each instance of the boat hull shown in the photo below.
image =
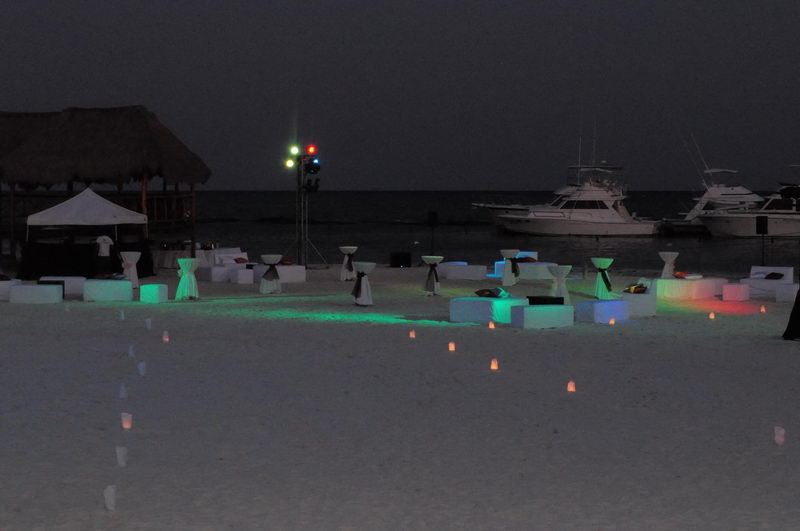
(571, 227)
(744, 226)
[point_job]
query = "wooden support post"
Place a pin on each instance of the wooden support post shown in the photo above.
(193, 218)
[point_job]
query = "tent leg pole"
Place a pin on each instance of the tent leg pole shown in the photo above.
(143, 200)
(194, 217)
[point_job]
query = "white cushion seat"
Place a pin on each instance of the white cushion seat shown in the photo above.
(765, 287)
(241, 276)
(483, 309)
(786, 292)
(102, 290)
(5, 287)
(642, 304)
(601, 311)
(36, 293)
(153, 293)
(542, 316)
(735, 292)
(73, 286)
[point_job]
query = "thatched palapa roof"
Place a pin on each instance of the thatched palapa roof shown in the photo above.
(114, 145)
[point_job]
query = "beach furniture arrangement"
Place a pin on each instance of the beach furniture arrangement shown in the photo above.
(271, 279)
(432, 280)
(786, 292)
(559, 286)
(642, 304)
(347, 272)
(602, 285)
(510, 266)
(362, 291)
(103, 290)
(764, 280)
(484, 309)
(36, 293)
(73, 286)
(542, 316)
(669, 258)
(153, 293)
(5, 288)
(129, 260)
(735, 292)
(187, 286)
(601, 311)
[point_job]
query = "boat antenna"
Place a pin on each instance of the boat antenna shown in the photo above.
(702, 158)
(594, 142)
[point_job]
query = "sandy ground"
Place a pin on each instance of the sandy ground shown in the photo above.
(303, 411)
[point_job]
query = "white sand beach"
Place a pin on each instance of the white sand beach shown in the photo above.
(304, 411)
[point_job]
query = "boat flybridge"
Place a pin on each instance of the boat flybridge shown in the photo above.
(591, 205)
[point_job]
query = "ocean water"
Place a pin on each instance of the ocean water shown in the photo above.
(384, 222)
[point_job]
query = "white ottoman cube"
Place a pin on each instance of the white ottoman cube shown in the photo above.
(736, 292)
(786, 292)
(102, 290)
(213, 274)
(36, 293)
(73, 286)
(463, 272)
(241, 276)
(291, 273)
(483, 309)
(153, 293)
(5, 287)
(601, 311)
(542, 316)
(641, 304)
(718, 283)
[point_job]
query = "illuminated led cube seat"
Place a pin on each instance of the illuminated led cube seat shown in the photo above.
(36, 293)
(483, 309)
(153, 293)
(601, 311)
(736, 292)
(213, 274)
(786, 292)
(686, 289)
(5, 287)
(102, 290)
(73, 286)
(542, 316)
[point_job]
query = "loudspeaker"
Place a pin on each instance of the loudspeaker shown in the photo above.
(400, 260)
(762, 225)
(543, 299)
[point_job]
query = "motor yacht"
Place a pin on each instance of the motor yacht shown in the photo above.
(592, 205)
(781, 212)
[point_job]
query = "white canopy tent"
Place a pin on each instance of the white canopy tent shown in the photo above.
(87, 208)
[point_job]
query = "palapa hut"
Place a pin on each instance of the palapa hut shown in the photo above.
(119, 146)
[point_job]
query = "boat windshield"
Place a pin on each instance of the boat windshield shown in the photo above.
(779, 204)
(584, 205)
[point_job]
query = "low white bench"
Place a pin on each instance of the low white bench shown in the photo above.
(786, 292)
(5, 287)
(601, 311)
(36, 293)
(542, 316)
(291, 273)
(736, 292)
(765, 287)
(483, 309)
(153, 293)
(102, 290)
(73, 286)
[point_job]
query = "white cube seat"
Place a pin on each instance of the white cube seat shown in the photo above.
(213, 274)
(73, 286)
(718, 283)
(36, 293)
(291, 273)
(153, 293)
(736, 292)
(641, 304)
(454, 271)
(786, 292)
(542, 316)
(483, 309)
(102, 290)
(601, 311)
(5, 287)
(241, 276)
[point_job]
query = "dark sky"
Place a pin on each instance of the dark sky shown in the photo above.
(457, 94)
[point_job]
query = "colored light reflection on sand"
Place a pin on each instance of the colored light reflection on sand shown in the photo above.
(707, 306)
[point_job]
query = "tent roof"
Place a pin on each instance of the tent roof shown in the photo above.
(110, 145)
(86, 208)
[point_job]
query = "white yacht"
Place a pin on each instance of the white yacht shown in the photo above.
(718, 196)
(591, 206)
(498, 209)
(781, 211)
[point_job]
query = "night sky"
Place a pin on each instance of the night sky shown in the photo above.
(415, 95)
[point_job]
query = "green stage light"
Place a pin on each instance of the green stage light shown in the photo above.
(294, 150)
